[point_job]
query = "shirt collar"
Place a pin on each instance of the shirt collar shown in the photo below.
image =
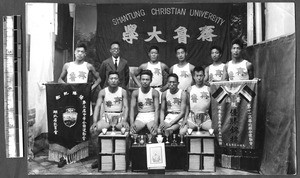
(118, 58)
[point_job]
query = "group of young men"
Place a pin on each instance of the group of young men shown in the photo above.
(167, 99)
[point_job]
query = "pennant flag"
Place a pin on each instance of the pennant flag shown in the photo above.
(235, 118)
(247, 93)
(220, 94)
(68, 111)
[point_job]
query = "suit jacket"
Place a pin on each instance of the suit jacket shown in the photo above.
(123, 70)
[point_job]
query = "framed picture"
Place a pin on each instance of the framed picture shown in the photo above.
(156, 156)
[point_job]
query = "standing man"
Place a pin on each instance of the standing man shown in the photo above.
(174, 104)
(115, 63)
(183, 69)
(158, 69)
(214, 72)
(113, 102)
(146, 100)
(198, 98)
(238, 68)
(78, 70)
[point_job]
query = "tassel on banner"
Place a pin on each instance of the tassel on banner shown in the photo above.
(71, 156)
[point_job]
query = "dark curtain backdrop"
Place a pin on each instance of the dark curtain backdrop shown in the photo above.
(111, 25)
(274, 63)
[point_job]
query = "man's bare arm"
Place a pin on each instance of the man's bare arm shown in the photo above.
(63, 73)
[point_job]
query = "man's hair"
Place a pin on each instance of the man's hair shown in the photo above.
(154, 47)
(197, 69)
(114, 42)
(217, 48)
(113, 72)
(173, 75)
(146, 72)
(238, 42)
(81, 45)
(180, 46)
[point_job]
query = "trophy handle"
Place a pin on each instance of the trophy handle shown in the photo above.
(120, 118)
(106, 117)
(193, 117)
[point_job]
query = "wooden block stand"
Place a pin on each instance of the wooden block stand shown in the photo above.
(200, 152)
(113, 152)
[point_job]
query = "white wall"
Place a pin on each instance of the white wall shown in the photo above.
(40, 25)
(280, 19)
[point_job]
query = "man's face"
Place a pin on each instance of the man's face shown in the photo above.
(215, 55)
(115, 50)
(145, 81)
(173, 84)
(199, 77)
(113, 80)
(236, 51)
(153, 55)
(181, 54)
(79, 53)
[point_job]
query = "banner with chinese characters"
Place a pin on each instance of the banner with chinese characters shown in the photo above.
(139, 26)
(68, 111)
(234, 113)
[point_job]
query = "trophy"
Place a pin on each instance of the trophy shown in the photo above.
(142, 141)
(167, 133)
(181, 139)
(113, 121)
(149, 138)
(199, 118)
(159, 138)
(134, 138)
(174, 142)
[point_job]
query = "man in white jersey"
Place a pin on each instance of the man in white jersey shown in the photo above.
(198, 102)
(183, 69)
(146, 100)
(114, 101)
(238, 68)
(214, 72)
(174, 104)
(78, 70)
(159, 70)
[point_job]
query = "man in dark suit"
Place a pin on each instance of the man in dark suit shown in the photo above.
(115, 63)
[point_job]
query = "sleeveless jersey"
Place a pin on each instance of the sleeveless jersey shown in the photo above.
(77, 73)
(173, 101)
(145, 101)
(215, 72)
(184, 76)
(199, 99)
(113, 102)
(238, 71)
(157, 78)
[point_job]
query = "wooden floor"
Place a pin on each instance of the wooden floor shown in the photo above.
(40, 165)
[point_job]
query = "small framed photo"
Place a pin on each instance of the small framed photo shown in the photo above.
(156, 156)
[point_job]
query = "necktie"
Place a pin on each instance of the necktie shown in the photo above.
(116, 64)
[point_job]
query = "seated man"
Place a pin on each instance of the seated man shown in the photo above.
(175, 101)
(198, 102)
(146, 100)
(114, 101)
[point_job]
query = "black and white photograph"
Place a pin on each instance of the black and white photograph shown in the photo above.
(140, 88)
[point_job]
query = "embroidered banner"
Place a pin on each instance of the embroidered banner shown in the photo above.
(68, 111)
(234, 113)
(139, 26)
